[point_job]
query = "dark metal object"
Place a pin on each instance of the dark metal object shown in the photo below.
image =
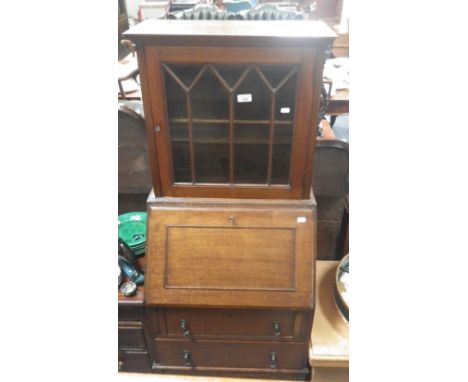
(186, 356)
(276, 328)
(273, 358)
(128, 263)
(183, 326)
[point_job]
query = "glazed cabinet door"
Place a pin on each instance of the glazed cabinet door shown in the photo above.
(231, 122)
(231, 257)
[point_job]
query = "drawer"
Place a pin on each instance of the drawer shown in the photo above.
(231, 354)
(132, 338)
(134, 362)
(272, 324)
(131, 313)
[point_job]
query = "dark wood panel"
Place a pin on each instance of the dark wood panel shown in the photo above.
(131, 337)
(328, 235)
(134, 362)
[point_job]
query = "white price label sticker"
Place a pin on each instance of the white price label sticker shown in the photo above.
(301, 219)
(243, 98)
(285, 110)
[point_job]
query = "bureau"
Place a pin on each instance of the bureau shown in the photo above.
(229, 286)
(231, 116)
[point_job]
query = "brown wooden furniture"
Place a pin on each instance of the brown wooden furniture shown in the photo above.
(330, 184)
(231, 106)
(329, 354)
(338, 105)
(229, 286)
(231, 120)
(134, 173)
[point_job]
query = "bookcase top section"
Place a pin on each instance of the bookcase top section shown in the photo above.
(231, 32)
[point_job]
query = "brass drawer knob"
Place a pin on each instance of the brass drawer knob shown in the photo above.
(186, 357)
(184, 328)
(276, 329)
(273, 357)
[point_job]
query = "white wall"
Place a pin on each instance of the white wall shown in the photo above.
(132, 7)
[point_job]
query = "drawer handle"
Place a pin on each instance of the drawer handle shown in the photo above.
(276, 328)
(186, 356)
(183, 326)
(273, 357)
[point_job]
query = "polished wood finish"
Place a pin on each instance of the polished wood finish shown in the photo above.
(229, 282)
(239, 355)
(278, 325)
(300, 44)
(227, 254)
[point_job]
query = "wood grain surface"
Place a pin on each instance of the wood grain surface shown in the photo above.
(330, 328)
(195, 266)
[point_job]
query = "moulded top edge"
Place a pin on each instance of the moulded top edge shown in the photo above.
(191, 31)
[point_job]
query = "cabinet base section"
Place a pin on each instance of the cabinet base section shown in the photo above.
(134, 361)
(286, 374)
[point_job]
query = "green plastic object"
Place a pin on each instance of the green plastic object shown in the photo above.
(132, 230)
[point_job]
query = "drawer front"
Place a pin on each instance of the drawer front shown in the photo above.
(134, 362)
(132, 338)
(230, 258)
(131, 313)
(236, 323)
(231, 354)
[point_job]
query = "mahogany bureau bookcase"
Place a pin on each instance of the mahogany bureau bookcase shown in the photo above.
(231, 118)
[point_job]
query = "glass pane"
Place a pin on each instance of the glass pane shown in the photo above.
(252, 99)
(251, 153)
(275, 73)
(282, 140)
(286, 100)
(180, 152)
(186, 73)
(211, 153)
(209, 98)
(230, 73)
(178, 129)
(175, 96)
(209, 116)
